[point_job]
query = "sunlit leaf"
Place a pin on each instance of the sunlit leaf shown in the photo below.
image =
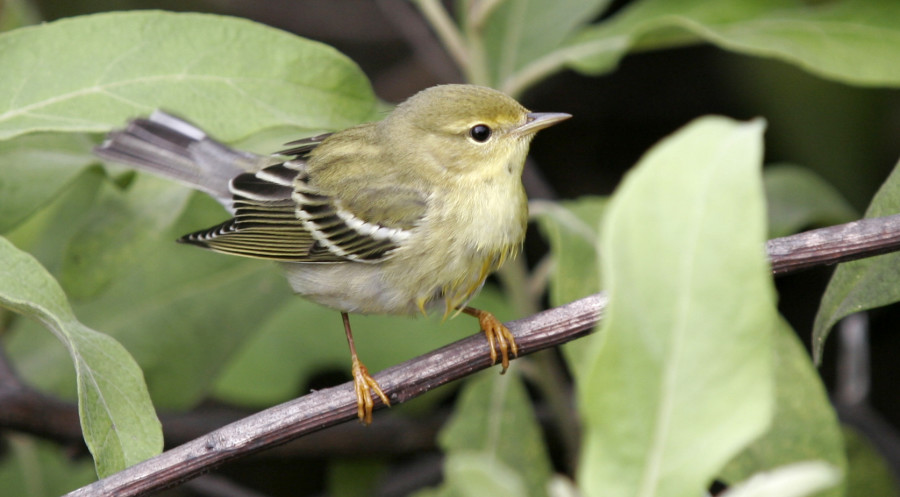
(679, 378)
(33, 170)
(232, 76)
(851, 41)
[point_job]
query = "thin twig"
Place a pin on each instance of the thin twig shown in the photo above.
(410, 379)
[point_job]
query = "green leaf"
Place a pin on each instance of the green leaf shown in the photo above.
(476, 474)
(679, 378)
(231, 76)
(117, 418)
(795, 480)
(798, 198)
(33, 170)
(493, 441)
(119, 232)
(851, 41)
(862, 284)
(805, 426)
(868, 473)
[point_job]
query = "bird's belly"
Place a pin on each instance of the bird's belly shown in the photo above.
(392, 287)
(349, 287)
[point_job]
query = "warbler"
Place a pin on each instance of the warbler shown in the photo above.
(398, 216)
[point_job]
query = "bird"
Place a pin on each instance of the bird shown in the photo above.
(400, 216)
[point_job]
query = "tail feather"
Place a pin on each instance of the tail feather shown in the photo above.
(173, 148)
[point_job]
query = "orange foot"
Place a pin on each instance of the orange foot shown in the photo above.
(362, 382)
(498, 336)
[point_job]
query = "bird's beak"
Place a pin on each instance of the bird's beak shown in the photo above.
(540, 120)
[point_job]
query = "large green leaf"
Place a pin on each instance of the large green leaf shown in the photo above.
(852, 41)
(679, 378)
(805, 426)
(118, 233)
(232, 76)
(33, 170)
(493, 442)
(866, 283)
(117, 418)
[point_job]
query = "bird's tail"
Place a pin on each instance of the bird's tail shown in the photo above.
(173, 148)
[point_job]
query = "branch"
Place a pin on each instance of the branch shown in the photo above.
(844, 242)
(335, 405)
(412, 378)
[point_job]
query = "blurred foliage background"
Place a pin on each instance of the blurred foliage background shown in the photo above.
(848, 135)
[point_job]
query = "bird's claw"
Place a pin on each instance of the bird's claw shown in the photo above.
(499, 337)
(362, 383)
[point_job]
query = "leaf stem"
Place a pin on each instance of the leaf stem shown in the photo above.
(481, 10)
(556, 60)
(446, 30)
(477, 70)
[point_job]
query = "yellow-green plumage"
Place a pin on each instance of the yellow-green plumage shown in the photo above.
(394, 217)
(418, 169)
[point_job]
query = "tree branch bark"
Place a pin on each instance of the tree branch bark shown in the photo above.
(331, 406)
(405, 381)
(844, 242)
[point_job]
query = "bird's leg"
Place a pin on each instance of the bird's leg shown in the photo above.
(362, 380)
(498, 335)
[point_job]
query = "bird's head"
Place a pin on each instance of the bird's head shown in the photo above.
(467, 129)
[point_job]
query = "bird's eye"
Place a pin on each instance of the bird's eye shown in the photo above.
(480, 133)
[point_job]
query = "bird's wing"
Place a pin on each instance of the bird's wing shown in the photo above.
(279, 215)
